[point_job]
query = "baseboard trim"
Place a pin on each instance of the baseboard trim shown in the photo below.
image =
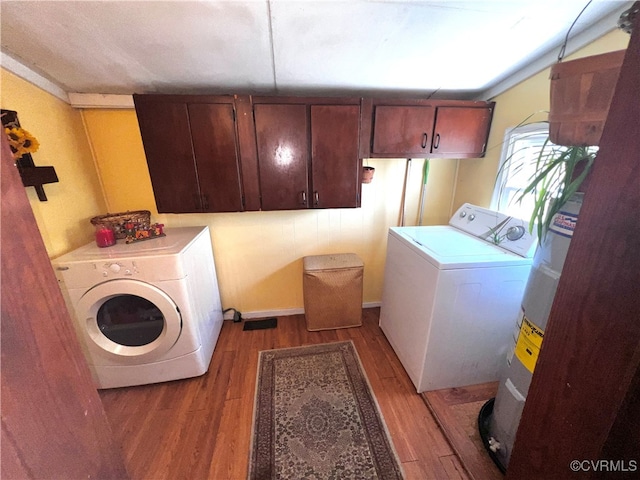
(285, 312)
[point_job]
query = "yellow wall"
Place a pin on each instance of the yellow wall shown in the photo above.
(258, 254)
(99, 158)
(63, 220)
(477, 176)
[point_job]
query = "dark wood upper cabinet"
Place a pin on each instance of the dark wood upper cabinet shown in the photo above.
(216, 156)
(461, 131)
(402, 129)
(235, 153)
(418, 128)
(308, 152)
(166, 136)
(283, 156)
(192, 152)
(335, 166)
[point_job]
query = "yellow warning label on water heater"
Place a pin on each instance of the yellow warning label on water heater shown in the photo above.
(528, 344)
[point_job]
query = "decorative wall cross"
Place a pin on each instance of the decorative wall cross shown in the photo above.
(31, 175)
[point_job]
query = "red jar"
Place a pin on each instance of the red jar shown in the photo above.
(105, 237)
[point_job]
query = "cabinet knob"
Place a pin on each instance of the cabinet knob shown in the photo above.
(436, 141)
(424, 140)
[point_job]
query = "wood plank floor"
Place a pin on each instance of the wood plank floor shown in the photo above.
(456, 411)
(200, 428)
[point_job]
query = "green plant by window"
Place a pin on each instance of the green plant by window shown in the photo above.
(559, 172)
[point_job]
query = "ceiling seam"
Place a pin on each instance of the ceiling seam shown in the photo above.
(273, 53)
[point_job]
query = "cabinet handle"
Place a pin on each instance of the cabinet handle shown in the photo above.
(205, 202)
(424, 140)
(304, 197)
(436, 142)
(316, 199)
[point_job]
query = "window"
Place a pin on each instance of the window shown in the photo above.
(521, 148)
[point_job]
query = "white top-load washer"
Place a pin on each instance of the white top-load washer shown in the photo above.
(144, 312)
(451, 294)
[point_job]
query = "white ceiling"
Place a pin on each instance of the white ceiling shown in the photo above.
(460, 49)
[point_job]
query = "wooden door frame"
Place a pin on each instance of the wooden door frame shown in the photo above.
(53, 422)
(584, 401)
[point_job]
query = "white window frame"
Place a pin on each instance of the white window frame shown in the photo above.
(501, 190)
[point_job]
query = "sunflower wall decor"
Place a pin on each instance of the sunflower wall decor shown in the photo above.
(21, 141)
(23, 144)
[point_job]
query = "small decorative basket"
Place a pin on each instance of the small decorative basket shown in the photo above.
(367, 174)
(117, 221)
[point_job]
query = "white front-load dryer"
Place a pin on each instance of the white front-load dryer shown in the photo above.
(145, 312)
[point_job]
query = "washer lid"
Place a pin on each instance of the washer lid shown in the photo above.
(449, 248)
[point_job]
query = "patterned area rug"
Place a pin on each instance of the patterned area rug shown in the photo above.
(315, 417)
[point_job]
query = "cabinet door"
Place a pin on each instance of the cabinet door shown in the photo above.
(404, 131)
(167, 144)
(283, 155)
(216, 153)
(334, 156)
(461, 131)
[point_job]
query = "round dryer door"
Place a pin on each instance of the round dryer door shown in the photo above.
(129, 318)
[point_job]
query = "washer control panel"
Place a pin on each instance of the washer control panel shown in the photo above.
(117, 269)
(497, 228)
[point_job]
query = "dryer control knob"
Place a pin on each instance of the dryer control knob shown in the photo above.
(114, 267)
